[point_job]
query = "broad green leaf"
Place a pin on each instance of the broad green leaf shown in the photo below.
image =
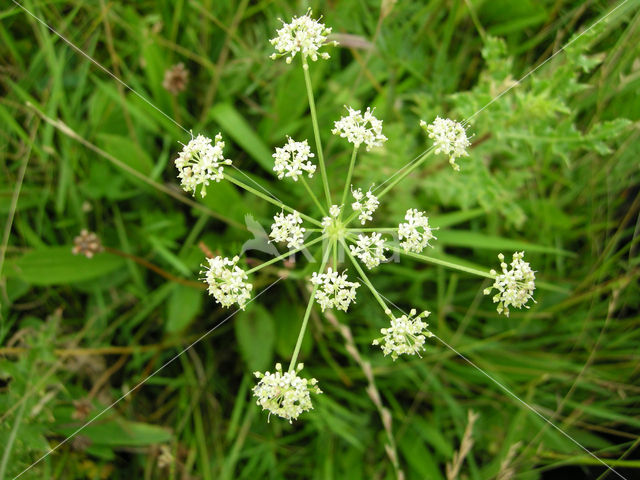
(234, 125)
(59, 266)
(184, 304)
(465, 238)
(127, 151)
(256, 337)
(120, 433)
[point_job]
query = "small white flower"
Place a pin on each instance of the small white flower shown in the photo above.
(449, 137)
(369, 249)
(334, 212)
(406, 335)
(416, 231)
(227, 281)
(358, 129)
(287, 228)
(199, 162)
(304, 35)
(334, 290)
(292, 159)
(365, 208)
(285, 394)
(515, 287)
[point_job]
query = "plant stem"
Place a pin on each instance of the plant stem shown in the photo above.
(347, 184)
(285, 255)
(307, 314)
(402, 175)
(389, 229)
(266, 197)
(314, 197)
(444, 263)
(366, 279)
(316, 129)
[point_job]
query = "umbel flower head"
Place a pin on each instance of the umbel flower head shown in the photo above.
(287, 228)
(303, 34)
(87, 243)
(285, 394)
(199, 162)
(515, 286)
(227, 281)
(416, 232)
(369, 249)
(334, 290)
(366, 207)
(449, 137)
(359, 129)
(292, 159)
(406, 335)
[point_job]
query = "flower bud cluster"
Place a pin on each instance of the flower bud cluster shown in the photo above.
(369, 249)
(199, 163)
(287, 228)
(365, 207)
(416, 232)
(292, 159)
(514, 286)
(449, 137)
(285, 394)
(227, 281)
(359, 129)
(406, 335)
(334, 290)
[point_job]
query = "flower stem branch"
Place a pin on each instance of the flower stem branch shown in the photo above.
(437, 261)
(389, 229)
(269, 199)
(286, 254)
(307, 314)
(347, 183)
(316, 129)
(313, 197)
(364, 277)
(402, 175)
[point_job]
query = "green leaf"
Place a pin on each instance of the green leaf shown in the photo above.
(58, 266)
(120, 433)
(183, 305)
(464, 238)
(234, 125)
(127, 151)
(256, 337)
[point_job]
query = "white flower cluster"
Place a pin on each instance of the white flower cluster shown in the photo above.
(449, 137)
(334, 212)
(292, 159)
(406, 335)
(366, 207)
(227, 281)
(199, 162)
(416, 239)
(304, 35)
(287, 228)
(285, 394)
(334, 290)
(369, 249)
(358, 129)
(515, 287)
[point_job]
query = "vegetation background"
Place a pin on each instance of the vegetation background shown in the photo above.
(553, 171)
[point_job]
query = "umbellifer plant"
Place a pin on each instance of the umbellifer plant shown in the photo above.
(341, 229)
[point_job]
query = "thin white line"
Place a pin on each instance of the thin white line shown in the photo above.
(495, 99)
(503, 387)
(87, 56)
(543, 63)
(139, 385)
(117, 79)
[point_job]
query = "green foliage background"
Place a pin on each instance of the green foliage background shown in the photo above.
(553, 171)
